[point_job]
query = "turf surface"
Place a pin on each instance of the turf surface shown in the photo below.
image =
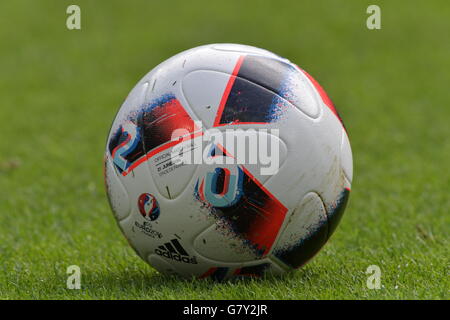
(60, 89)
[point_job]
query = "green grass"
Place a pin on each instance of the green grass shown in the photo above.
(60, 89)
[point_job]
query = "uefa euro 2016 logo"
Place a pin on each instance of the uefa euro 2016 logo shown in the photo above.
(148, 206)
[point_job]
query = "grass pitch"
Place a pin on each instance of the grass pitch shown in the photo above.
(60, 89)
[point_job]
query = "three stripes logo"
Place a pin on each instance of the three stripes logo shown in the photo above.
(173, 250)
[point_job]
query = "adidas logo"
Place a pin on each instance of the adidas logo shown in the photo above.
(173, 250)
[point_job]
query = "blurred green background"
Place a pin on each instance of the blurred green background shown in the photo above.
(60, 89)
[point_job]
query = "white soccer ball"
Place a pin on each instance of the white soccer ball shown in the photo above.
(191, 202)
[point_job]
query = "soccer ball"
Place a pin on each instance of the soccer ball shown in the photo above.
(227, 160)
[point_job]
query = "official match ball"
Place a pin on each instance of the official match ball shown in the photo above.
(227, 161)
